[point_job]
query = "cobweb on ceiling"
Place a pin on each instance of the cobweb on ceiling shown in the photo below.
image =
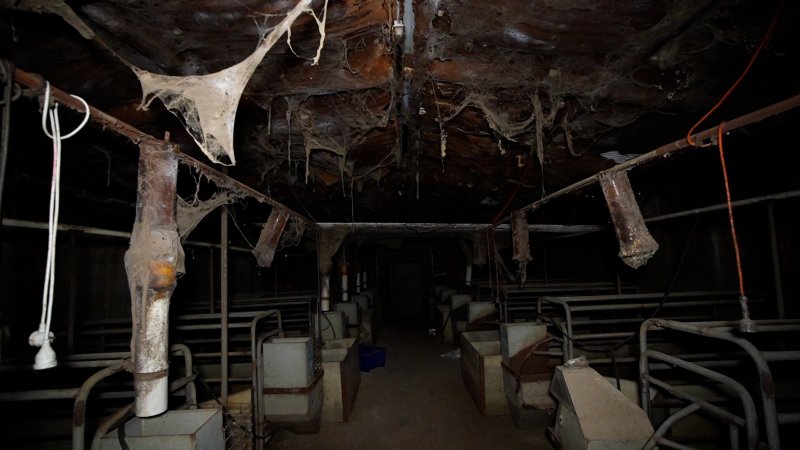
(207, 103)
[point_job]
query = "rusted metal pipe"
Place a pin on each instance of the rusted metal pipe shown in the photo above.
(107, 122)
(92, 231)
(79, 408)
(767, 383)
(8, 68)
(270, 236)
(223, 299)
(667, 425)
(741, 121)
(636, 245)
(152, 262)
(520, 241)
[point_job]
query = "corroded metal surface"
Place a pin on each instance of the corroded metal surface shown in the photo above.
(270, 236)
(636, 245)
(369, 121)
(520, 241)
(153, 262)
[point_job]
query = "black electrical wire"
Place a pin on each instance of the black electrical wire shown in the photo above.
(676, 273)
(121, 437)
(333, 330)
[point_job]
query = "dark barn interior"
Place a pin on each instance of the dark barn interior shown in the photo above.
(376, 224)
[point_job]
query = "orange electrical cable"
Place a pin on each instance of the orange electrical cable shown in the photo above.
(730, 211)
(733, 87)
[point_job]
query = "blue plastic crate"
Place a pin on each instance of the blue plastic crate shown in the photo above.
(370, 357)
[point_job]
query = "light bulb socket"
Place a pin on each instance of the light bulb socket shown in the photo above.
(45, 357)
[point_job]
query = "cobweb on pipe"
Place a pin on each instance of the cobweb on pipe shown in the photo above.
(292, 234)
(190, 213)
(207, 103)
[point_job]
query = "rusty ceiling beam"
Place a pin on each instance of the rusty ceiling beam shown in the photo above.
(37, 82)
(666, 150)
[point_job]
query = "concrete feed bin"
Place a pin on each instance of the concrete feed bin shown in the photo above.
(368, 332)
(527, 393)
(292, 390)
(593, 415)
(332, 325)
(351, 318)
(198, 429)
(482, 372)
(341, 380)
(477, 312)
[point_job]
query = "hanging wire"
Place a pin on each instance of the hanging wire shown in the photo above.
(746, 324)
(689, 138)
(43, 336)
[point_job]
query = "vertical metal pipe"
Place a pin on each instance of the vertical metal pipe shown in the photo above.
(325, 296)
(223, 297)
(73, 291)
(776, 262)
(8, 67)
(153, 261)
(211, 280)
(345, 287)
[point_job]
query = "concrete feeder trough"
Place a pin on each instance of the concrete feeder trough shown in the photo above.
(350, 311)
(332, 325)
(341, 380)
(292, 390)
(197, 429)
(527, 388)
(593, 415)
(477, 312)
(482, 372)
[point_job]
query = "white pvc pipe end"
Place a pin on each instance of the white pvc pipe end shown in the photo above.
(151, 397)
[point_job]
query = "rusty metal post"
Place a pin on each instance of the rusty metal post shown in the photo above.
(776, 262)
(211, 280)
(152, 263)
(264, 250)
(223, 298)
(636, 245)
(519, 236)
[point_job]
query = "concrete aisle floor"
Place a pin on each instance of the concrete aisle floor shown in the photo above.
(418, 401)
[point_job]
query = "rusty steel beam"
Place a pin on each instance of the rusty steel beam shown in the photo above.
(667, 149)
(106, 121)
(152, 263)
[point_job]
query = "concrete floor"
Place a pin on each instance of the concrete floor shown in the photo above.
(418, 401)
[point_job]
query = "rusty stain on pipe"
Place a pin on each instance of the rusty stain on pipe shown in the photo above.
(152, 262)
(519, 235)
(636, 245)
(267, 244)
